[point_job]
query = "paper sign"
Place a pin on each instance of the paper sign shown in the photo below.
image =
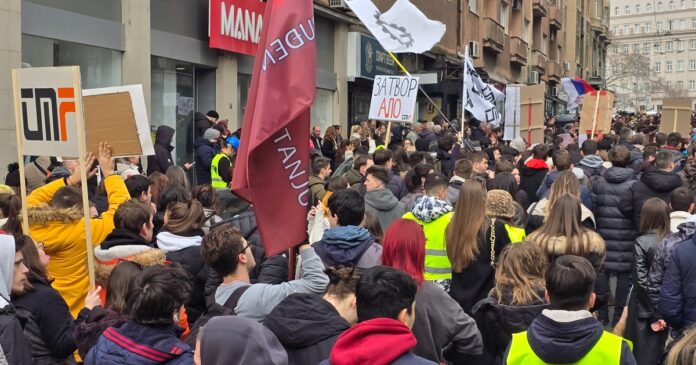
(394, 98)
(532, 113)
(46, 99)
(512, 113)
(118, 115)
(604, 112)
(676, 116)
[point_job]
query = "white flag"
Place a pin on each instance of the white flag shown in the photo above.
(480, 97)
(403, 28)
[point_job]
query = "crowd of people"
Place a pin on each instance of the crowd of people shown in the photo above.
(430, 243)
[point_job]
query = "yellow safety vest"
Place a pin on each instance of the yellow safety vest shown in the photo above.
(516, 234)
(437, 264)
(607, 351)
(217, 183)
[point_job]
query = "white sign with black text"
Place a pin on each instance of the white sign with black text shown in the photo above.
(394, 98)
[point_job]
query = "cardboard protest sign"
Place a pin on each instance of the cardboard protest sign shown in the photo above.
(118, 114)
(532, 113)
(597, 105)
(512, 113)
(394, 98)
(676, 116)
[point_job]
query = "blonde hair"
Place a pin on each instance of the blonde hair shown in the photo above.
(566, 183)
(521, 269)
(683, 351)
(468, 223)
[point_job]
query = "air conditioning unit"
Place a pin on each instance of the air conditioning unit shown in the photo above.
(566, 66)
(516, 5)
(339, 5)
(534, 77)
(474, 49)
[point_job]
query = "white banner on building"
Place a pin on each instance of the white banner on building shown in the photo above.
(512, 113)
(403, 28)
(480, 97)
(393, 98)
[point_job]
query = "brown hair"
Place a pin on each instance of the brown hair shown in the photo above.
(184, 218)
(131, 216)
(342, 281)
(503, 166)
(330, 134)
(654, 217)
(158, 181)
(468, 223)
(37, 270)
(564, 221)
(221, 248)
(562, 160)
(177, 176)
(119, 283)
(620, 156)
(521, 269)
(207, 196)
(566, 183)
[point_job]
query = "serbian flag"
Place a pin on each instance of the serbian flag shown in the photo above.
(576, 89)
(272, 166)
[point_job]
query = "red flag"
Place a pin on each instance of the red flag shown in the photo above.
(272, 166)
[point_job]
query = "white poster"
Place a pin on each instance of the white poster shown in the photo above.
(512, 113)
(393, 98)
(46, 100)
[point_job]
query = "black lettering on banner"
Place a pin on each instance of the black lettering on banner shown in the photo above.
(469, 103)
(488, 94)
(491, 115)
(30, 135)
(46, 106)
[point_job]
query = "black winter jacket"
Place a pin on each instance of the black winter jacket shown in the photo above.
(307, 326)
(14, 345)
(663, 252)
(639, 301)
(162, 160)
(617, 230)
(204, 153)
(654, 183)
(426, 138)
(677, 303)
(532, 175)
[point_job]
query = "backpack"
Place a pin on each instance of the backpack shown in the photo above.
(215, 310)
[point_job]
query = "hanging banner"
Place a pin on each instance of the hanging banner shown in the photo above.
(235, 25)
(393, 98)
(676, 116)
(512, 113)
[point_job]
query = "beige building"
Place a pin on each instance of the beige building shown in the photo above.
(653, 52)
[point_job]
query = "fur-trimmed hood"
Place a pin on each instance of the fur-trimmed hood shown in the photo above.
(557, 245)
(106, 260)
(45, 214)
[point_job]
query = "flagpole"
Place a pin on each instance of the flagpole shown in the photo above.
(596, 111)
(421, 89)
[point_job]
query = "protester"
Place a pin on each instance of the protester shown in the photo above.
(565, 184)
(617, 230)
(128, 166)
(230, 255)
(329, 146)
(180, 240)
(210, 200)
(356, 175)
(463, 169)
(14, 347)
(644, 327)
(682, 207)
(379, 200)
(414, 180)
(674, 147)
(206, 147)
(533, 172)
(517, 298)
(591, 164)
(682, 352)
(444, 332)
(346, 243)
(177, 176)
(308, 325)
(321, 170)
(61, 227)
(567, 333)
(499, 205)
(139, 189)
(36, 172)
(315, 141)
(203, 122)
(677, 303)
(658, 182)
(221, 167)
(92, 322)
(10, 210)
(385, 300)
(562, 162)
(474, 244)
(162, 159)
(395, 184)
(427, 139)
(155, 303)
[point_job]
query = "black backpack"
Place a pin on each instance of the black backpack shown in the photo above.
(216, 310)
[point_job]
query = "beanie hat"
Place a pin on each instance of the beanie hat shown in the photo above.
(211, 134)
(499, 203)
(36, 172)
(518, 144)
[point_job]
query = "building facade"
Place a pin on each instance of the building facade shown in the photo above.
(653, 52)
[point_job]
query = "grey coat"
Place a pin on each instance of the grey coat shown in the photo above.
(383, 205)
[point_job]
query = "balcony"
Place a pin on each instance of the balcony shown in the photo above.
(597, 25)
(555, 72)
(555, 17)
(539, 8)
(518, 51)
(493, 35)
(538, 61)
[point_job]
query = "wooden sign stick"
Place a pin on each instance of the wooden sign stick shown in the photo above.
(20, 156)
(596, 112)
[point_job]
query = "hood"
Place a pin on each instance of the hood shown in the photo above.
(617, 175)
(381, 199)
(519, 144)
(200, 141)
(164, 135)
(661, 181)
(122, 237)
(7, 257)
(563, 337)
(428, 208)
(343, 245)
(353, 177)
(254, 344)
(536, 164)
(169, 242)
(688, 228)
(45, 214)
(550, 178)
(346, 237)
(303, 320)
(425, 133)
(378, 341)
(200, 116)
(592, 161)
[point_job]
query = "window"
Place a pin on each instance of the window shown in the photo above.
(694, 4)
(668, 85)
(680, 45)
(525, 35)
(616, 11)
(658, 66)
(647, 28)
(646, 86)
(659, 6)
(682, 24)
(637, 9)
(671, 5)
(627, 10)
(682, 4)
(680, 66)
(638, 28)
(692, 65)
(646, 47)
(669, 66)
(635, 48)
(692, 85)
(648, 7)
(504, 16)
(658, 27)
(668, 46)
(680, 85)
(658, 47)
(693, 44)
(474, 8)
(693, 23)
(625, 48)
(670, 25)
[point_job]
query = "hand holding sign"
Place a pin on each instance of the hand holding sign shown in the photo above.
(105, 162)
(74, 179)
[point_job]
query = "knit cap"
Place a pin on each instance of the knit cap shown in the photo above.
(211, 134)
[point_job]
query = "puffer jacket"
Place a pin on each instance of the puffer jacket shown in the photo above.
(63, 233)
(639, 302)
(425, 138)
(653, 183)
(688, 174)
(617, 230)
(662, 253)
(90, 324)
(677, 303)
(205, 151)
(122, 245)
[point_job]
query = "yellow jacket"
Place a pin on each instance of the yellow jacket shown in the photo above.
(62, 231)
